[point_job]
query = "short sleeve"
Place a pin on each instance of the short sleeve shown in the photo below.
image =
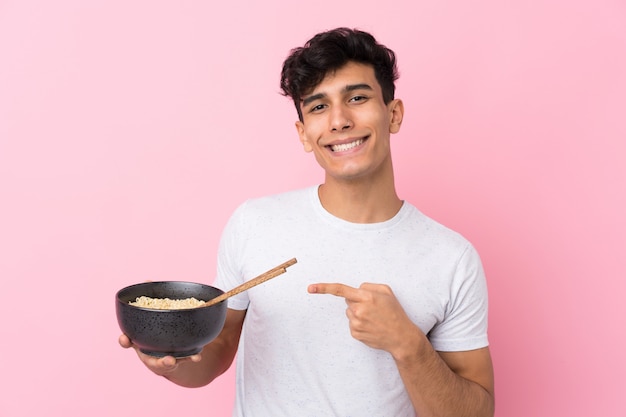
(229, 259)
(465, 323)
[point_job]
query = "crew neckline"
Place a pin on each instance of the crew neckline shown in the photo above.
(339, 222)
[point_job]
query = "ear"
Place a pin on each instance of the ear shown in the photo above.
(303, 139)
(396, 114)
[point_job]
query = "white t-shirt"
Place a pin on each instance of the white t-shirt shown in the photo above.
(296, 357)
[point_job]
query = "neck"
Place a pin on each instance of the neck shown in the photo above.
(361, 201)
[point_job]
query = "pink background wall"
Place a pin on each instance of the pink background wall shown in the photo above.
(129, 130)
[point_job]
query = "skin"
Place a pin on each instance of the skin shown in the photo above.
(347, 106)
(347, 109)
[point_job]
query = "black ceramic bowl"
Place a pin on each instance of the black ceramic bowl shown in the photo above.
(177, 333)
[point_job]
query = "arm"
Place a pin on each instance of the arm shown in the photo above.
(198, 370)
(446, 383)
(439, 383)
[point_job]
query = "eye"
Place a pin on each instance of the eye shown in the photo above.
(317, 108)
(358, 99)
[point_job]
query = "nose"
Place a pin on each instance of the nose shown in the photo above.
(340, 119)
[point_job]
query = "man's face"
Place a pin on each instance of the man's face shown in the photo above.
(347, 124)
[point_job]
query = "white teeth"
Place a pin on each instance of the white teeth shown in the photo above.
(346, 146)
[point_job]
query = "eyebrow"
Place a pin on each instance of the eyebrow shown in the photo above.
(308, 100)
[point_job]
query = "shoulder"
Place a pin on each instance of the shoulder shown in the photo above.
(431, 230)
(285, 201)
(272, 210)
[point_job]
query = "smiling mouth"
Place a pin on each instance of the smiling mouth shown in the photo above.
(346, 146)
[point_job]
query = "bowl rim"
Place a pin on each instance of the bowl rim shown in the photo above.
(164, 310)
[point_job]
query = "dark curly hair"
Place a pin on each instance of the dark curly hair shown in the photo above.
(328, 51)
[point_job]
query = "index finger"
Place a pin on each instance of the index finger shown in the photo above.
(336, 289)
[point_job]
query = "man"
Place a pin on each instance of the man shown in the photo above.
(385, 313)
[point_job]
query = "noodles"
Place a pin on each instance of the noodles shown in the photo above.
(166, 303)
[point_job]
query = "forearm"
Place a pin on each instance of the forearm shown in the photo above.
(435, 389)
(191, 374)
